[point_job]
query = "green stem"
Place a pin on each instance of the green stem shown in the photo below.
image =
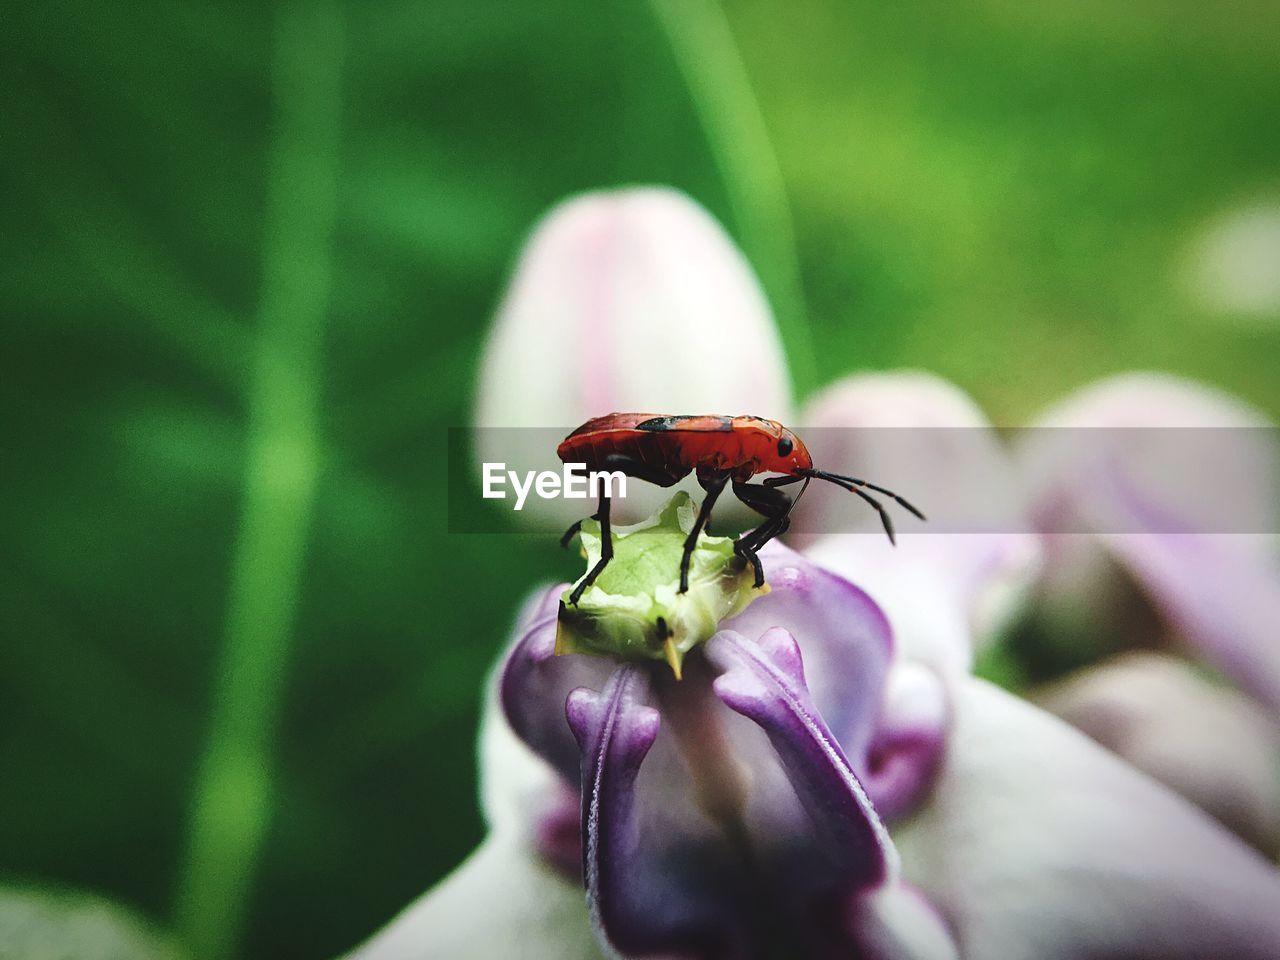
(720, 87)
(233, 792)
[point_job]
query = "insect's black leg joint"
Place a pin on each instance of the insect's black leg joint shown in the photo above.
(713, 485)
(570, 533)
(748, 555)
(775, 507)
(606, 550)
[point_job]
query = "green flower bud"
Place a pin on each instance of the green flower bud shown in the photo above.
(634, 610)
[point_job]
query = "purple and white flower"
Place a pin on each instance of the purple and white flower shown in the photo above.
(828, 779)
(804, 792)
(1148, 506)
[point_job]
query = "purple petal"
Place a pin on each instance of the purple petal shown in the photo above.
(1220, 593)
(535, 682)
(946, 595)
(557, 832)
(1144, 491)
(651, 887)
(906, 752)
(1189, 448)
(847, 641)
(831, 867)
(765, 682)
(893, 748)
(524, 796)
(1220, 598)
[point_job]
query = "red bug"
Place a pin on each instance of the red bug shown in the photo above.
(721, 450)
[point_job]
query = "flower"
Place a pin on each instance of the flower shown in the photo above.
(626, 300)
(1192, 734)
(740, 804)
(1203, 739)
(1172, 485)
(827, 778)
(1038, 843)
(633, 299)
(923, 436)
(804, 792)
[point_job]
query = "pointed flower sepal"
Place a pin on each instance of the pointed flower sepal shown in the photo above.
(634, 610)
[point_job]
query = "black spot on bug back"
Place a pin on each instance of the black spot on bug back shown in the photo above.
(686, 421)
(657, 424)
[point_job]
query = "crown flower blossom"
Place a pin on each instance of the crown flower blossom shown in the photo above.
(628, 299)
(1215, 593)
(1150, 576)
(607, 283)
(914, 428)
(810, 770)
(803, 791)
(733, 812)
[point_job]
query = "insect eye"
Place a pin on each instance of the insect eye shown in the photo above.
(784, 446)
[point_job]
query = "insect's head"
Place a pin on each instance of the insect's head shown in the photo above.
(773, 447)
(792, 455)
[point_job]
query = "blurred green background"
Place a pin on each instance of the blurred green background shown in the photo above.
(249, 258)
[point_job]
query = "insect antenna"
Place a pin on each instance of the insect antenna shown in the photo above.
(854, 485)
(879, 507)
(900, 500)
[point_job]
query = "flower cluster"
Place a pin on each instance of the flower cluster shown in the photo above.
(827, 777)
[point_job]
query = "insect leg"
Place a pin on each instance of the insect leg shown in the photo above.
(713, 485)
(763, 499)
(632, 468)
(773, 505)
(747, 547)
(757, 538)
(572, 532)
(606, 549)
